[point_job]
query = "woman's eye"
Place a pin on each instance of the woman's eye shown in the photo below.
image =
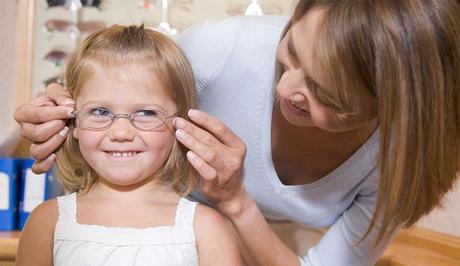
(100, 112)
(313, 87)
(146, 113)
(290, 52)
(291, 56)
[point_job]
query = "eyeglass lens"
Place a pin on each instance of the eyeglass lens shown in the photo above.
(100, 118)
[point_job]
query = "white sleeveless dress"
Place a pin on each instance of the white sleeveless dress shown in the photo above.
(80, 244)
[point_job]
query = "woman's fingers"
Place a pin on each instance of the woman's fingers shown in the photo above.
(42, 166)
(34, 114)
(43, 122)
(215, 187)
(205, 152)
(215, 152)
(195, 131)
(56, 103)
(216, 128)
(226, 156)
(59, 95)
(42, 132)
(207, 172)
(40, 151)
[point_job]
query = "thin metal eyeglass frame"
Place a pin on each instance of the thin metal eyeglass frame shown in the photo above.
(130, 117)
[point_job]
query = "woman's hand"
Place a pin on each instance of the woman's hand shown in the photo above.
(217, 154)
(43, 122)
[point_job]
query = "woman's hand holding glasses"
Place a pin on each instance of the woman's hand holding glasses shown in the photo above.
(43, 121)
(217, 154)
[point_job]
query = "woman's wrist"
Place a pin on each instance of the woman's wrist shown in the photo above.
(236, 206)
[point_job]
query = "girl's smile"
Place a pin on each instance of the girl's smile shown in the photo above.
(121, 154)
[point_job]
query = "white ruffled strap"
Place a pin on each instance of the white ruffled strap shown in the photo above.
(67, 207)
(185, 212)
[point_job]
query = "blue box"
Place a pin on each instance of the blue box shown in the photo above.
(8, 194)
(34, 189)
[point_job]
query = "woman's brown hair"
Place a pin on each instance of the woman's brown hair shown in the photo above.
(406, 55)
(126, 45)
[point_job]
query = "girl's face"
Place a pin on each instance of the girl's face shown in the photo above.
(306, 99)
(123, 155)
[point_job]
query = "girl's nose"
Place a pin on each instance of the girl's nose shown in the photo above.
(121, 130)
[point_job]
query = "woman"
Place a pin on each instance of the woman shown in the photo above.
(361, 84)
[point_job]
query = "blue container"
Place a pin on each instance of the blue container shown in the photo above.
(34, 189)
(8, 194)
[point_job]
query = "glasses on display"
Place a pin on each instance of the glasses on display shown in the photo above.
(71, 4)
(63, 26)
(56, 57)
(99, 118)
(254, 9)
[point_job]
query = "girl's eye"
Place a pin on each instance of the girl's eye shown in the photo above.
(146, 113)
(100, 112)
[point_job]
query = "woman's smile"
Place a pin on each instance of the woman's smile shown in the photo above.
(296, 110)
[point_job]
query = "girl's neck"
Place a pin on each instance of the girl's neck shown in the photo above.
(149, 189)
(150, 205)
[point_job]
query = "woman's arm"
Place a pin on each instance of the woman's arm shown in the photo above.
(36, 241)
(218, 155)
(262, 246)
(341, 244)
(43, 122)
(216, 243)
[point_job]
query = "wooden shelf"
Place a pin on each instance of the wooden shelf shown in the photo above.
(412, 247)
(8, 245)
(419, 247)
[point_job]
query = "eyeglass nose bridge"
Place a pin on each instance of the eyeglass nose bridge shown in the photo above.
(130, 117)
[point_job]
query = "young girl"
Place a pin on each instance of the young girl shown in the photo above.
(125, 171)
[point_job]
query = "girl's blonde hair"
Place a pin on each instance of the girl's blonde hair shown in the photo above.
(406, 54)
(127, 45)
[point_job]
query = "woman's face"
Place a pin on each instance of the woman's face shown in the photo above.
(306, 99)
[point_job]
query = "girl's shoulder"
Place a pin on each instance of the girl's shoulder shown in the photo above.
(206, 217)
(45, 214)
(42, 220)
(208, 223)
(215, 238)
(36, 241)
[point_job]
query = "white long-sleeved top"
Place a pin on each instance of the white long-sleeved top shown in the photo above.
(234, 64)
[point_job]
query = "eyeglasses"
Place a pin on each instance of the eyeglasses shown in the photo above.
(67, 3)
(83, 27)
(56, 57)
(102, 118)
